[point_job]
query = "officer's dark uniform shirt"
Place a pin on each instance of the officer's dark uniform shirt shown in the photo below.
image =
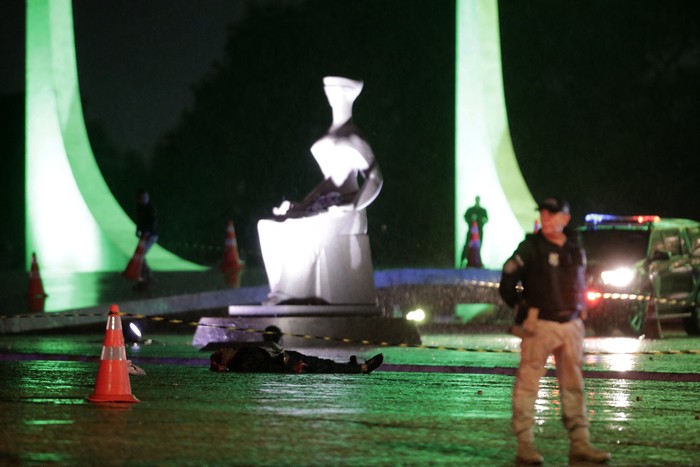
(552, 278)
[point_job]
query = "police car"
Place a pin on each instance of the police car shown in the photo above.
(638, 266)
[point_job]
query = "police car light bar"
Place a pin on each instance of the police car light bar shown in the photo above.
(609, 218)
(645, 219)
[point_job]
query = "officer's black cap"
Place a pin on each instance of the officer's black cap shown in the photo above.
(554, 205)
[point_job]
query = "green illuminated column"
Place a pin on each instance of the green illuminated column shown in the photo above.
(73, 222)
(485, 163)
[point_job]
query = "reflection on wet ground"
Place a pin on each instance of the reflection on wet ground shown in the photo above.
(425, 406)
(458, 414)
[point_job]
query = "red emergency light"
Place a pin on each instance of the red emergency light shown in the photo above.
(645, 219)
(593, 296)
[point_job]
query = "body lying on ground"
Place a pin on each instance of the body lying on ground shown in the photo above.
(270, 357)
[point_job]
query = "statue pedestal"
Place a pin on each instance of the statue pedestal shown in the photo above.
(325, 257)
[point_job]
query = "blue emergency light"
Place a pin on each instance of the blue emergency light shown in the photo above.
(596, 219)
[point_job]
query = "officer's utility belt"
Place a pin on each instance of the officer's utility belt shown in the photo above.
(559, 316)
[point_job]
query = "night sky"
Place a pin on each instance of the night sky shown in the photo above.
(602, 97)
(604, 102)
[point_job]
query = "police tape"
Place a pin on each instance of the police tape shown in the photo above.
(642, 298)
(487, 284)
(607, 295)
(344, 340)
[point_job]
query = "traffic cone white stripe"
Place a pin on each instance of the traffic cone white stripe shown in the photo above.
(231, 261)
(113, 353)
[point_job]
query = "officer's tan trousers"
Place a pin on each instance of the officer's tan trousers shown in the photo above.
(565, 342)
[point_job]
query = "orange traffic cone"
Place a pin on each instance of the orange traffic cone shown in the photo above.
(231, 261)
(652, 326)
(35, 293)
(233, 278)
(537, 227)
(113, 383)
(36, 286)
(133, 269)
(474, 256)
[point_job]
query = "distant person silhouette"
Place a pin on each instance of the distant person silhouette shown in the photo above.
(478, 214)
(146, 226)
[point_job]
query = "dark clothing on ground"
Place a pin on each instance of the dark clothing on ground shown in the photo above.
(266, 359)
(311, 364)
(254, 359)
(552, 277)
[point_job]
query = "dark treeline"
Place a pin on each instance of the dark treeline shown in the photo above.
(603, 102)
(12, 181)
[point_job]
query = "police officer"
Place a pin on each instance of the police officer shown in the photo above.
(549, 309)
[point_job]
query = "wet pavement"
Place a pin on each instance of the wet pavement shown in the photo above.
(424, 406)
(445, 403)
(71, 291)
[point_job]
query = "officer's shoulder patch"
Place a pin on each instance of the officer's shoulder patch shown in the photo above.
(511, 265)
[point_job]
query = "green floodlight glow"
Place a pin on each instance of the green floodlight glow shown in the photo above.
(73, 222)
(485, 163)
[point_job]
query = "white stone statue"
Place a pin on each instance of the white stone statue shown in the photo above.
(317, 250)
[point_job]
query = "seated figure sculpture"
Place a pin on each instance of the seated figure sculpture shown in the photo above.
(317, 250)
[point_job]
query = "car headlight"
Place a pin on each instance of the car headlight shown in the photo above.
(620, 277)
(416, 315)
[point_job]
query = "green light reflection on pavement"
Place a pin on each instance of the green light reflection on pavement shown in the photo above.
(190, 415)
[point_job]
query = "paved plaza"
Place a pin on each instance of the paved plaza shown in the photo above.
(424, 406)
(446, 402)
